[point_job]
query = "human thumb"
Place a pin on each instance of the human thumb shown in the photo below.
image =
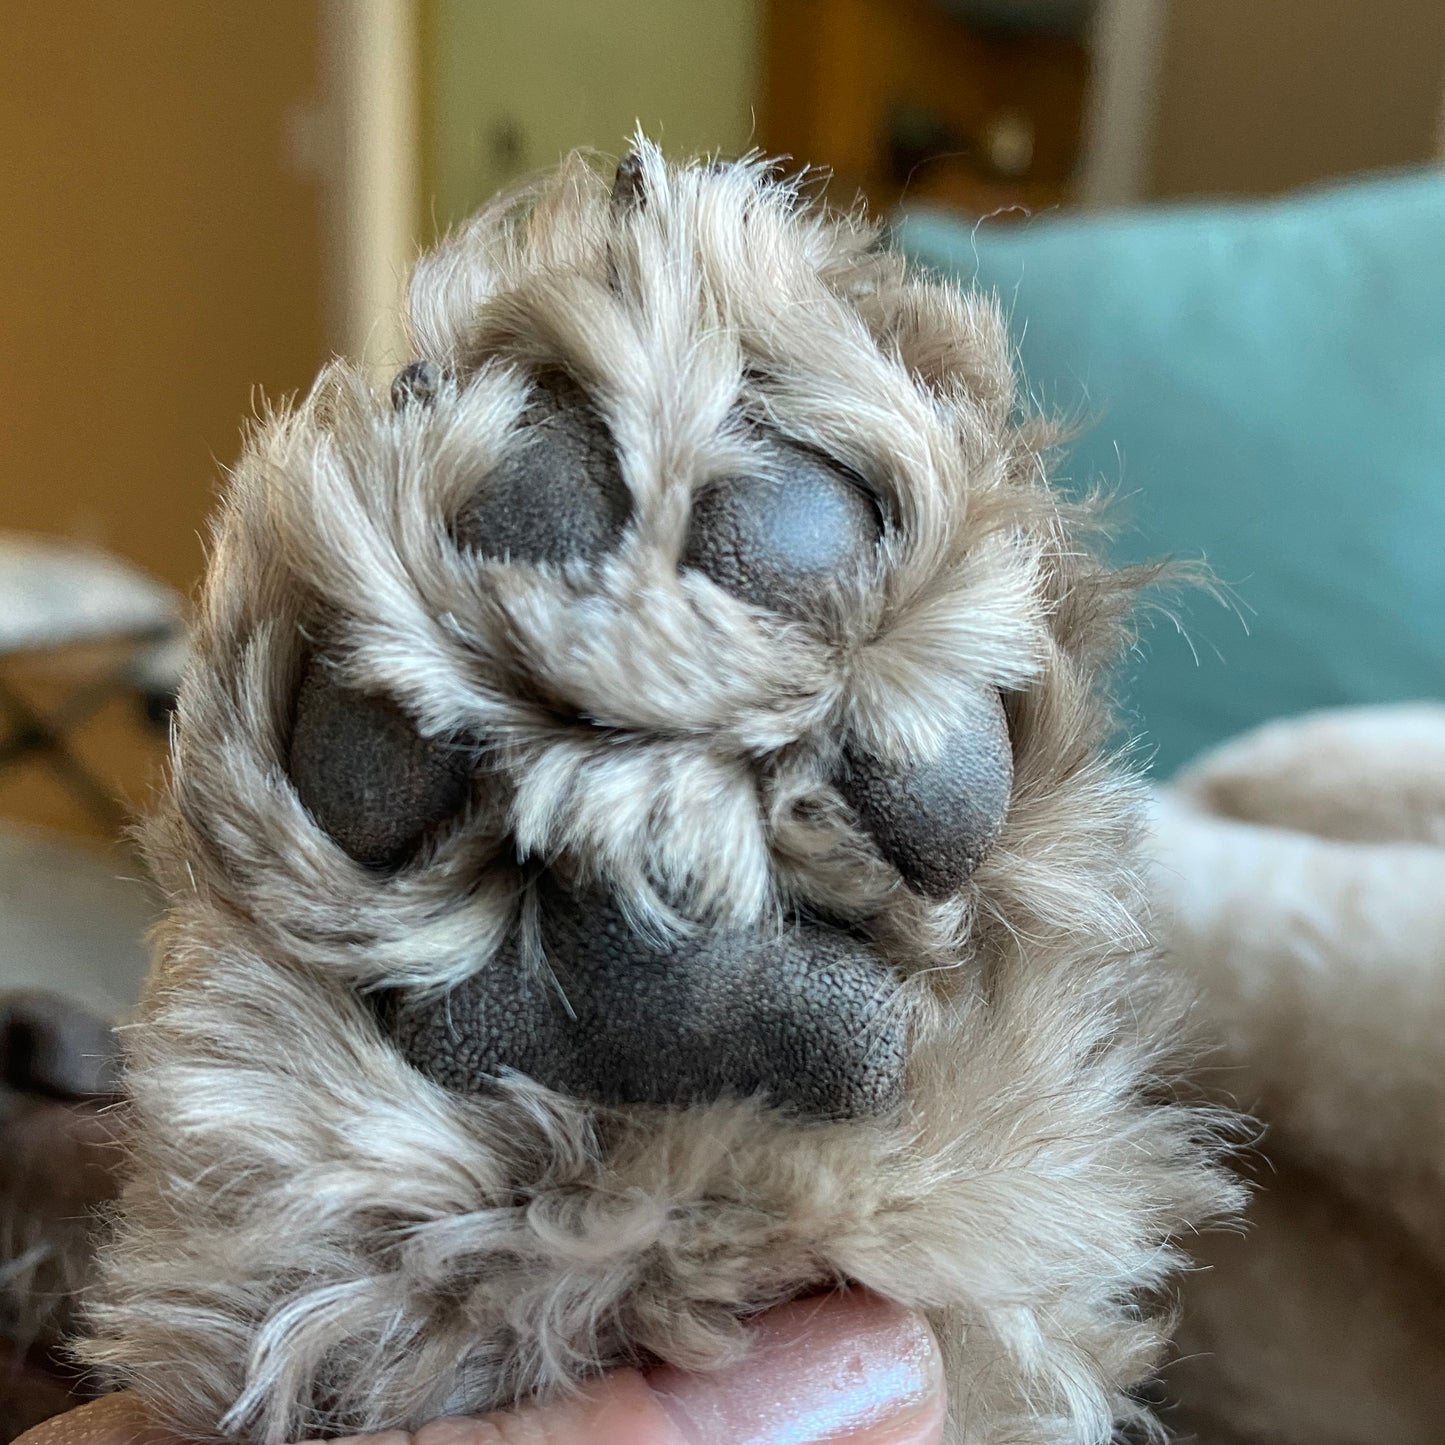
(844, 1367)
(838, 1368)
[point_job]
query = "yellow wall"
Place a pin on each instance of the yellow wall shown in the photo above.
(162, 228)
(509, 88)
(163, 258)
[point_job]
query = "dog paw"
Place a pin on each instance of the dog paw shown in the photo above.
(583, 995)
(641, 848)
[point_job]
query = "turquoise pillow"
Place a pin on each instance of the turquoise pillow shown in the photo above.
(1264, 385)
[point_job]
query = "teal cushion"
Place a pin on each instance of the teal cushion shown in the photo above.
(1264, 385)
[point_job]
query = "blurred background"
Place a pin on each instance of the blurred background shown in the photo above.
(203, 201)
(1217, 227)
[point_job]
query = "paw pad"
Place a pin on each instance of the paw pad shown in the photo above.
(803, 1018)
(936, 819)
(558, 496)
(373, 784)
(777, 540)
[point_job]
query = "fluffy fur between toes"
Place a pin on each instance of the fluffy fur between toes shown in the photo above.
(315, 1237)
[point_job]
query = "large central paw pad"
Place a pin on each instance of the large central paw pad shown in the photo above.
(802, 1018)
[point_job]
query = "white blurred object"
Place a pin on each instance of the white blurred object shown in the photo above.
(55, 596)
(370, 123)
(1298, 875)
(1008, 142)
(1125, 43)
(156, 670)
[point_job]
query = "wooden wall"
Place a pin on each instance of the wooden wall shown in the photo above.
(1260, 96)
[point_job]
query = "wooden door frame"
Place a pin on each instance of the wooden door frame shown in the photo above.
(371, 53)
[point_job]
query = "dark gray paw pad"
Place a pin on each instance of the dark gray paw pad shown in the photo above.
(936, 820)
(806, 1019)
(559, 494)
(362, 770)
(778, 540)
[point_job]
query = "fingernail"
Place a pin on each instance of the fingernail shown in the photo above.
(825, 1369)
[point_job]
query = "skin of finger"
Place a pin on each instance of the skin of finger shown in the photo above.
(626, 1411)
(625, 1408)
(845, 1367)
(111, 1420)
(622, 1410)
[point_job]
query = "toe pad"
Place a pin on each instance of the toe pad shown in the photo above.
(362, 770)
(559, 494)
(935, 819)
(806, 1018)
(778, 540)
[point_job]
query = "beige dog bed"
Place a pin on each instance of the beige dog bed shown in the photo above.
(1300, 875)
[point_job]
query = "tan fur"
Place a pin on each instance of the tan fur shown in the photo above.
(315, 1236)
(1319, 1325)
(1300, 880)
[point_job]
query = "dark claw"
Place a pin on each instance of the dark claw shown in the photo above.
(779, 539)
(370, 780)
(807, 1018)
(936, 820)
(417, 383)
(627, 190)
(559, 494)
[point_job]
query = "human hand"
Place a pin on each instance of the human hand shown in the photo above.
(848, 1368)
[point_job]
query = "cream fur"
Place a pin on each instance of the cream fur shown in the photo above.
(1300, 874)
(314, 1236)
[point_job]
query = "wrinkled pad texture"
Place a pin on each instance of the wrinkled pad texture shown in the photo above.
(801, 1017)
